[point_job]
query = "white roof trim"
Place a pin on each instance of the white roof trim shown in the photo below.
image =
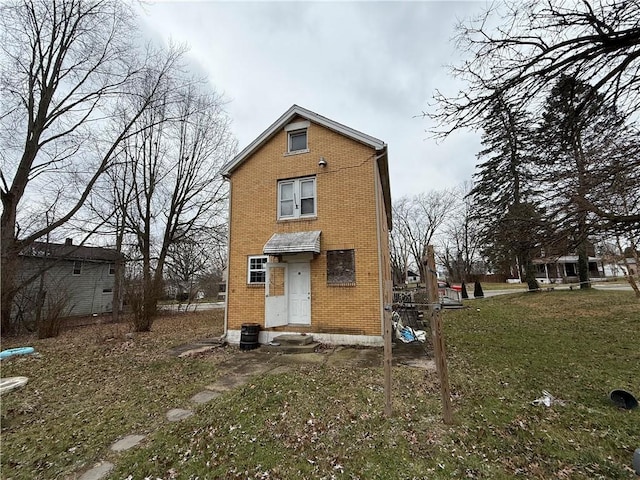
(284, 120)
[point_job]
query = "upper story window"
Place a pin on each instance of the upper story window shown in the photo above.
(297, 137)
(112, 269)
(77, 267)
(297, 198)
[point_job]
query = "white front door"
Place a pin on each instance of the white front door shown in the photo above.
(275, 293)
(299, 277)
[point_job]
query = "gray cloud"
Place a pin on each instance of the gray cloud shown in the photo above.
(372, 66)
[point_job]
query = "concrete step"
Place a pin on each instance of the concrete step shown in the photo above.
(289, 348)
(293, 339)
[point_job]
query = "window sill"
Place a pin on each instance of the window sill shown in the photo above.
(298, 219)
(296, 152)
(255, 285)
(345, 284)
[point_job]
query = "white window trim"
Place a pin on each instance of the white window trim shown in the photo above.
(249, 270)
(297, 199)
(302, 150)
(295, 128)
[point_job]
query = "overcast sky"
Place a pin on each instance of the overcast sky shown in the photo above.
(370, 65)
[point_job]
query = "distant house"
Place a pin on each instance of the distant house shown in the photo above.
(78, 280)
(310, 214)
(412, 277)
(559, 265)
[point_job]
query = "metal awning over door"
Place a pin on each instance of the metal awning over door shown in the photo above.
(293, 242)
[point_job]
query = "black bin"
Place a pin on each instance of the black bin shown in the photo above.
(249, 336)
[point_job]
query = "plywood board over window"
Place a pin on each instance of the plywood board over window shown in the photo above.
(341, 267)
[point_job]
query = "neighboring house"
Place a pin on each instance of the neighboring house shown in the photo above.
(564, 269)
(77, 280)
(559, 264)
(310, 214)
(412, 277)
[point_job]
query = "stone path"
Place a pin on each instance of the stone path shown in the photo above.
(239, 370)
(239, 373)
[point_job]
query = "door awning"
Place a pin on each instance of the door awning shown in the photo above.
(293, 242)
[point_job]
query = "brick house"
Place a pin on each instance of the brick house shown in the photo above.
(310, 214)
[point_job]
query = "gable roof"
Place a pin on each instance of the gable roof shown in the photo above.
(284, 119)
(298, 111)
(70, 252)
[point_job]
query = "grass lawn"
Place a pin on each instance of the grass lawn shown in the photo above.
(93, 385)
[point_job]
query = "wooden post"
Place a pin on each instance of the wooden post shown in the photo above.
(437, 336)
(387, 360)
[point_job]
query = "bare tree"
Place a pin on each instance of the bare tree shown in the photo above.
(460, 244)
(172, 173)
(65, 67)
(417, 220)
(518, 51)
(188, 261)
(399, 254)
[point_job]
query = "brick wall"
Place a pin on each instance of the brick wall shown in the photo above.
(346, 215)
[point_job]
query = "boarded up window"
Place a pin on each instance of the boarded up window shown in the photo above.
(341, 267)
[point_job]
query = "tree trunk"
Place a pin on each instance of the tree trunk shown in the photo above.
(528, 270)
(583, 266)
(634, 285)
(7, 274)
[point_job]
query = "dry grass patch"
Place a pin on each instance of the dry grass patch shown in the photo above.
(325, 420)
(92, 385)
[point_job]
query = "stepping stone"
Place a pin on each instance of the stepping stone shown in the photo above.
(204, 397)
(196, 350)
(127, 442)
(98, 472)
(177, 414)
(229, 382)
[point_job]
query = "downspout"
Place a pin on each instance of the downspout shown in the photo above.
(226, 296)
(378, 183)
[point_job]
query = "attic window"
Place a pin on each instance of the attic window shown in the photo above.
(297, 137)
(297, 141)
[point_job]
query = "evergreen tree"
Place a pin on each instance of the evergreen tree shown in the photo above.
(503, 190)
(576, 156)
(477, 290)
